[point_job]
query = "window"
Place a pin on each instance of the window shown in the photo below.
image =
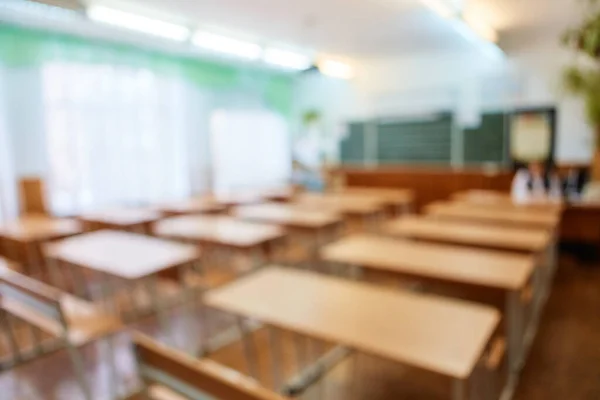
(115, 135)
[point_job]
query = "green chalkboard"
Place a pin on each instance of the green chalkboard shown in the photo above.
(426, 140)
(352, 149)
(486, 143)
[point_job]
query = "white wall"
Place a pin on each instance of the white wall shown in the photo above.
(337, 100)
(540, 61)
(470, 83)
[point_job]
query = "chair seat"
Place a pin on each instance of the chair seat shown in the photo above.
(84, 320)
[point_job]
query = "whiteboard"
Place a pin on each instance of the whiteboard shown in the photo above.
(250, 150)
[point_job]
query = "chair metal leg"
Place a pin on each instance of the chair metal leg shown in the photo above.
(78, 366)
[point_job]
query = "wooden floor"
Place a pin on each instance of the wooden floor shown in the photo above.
(564, 362)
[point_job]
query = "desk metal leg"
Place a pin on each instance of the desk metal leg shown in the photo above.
(107, 297)
(53, 272)
(79, 368)
(355, 378)
(300, 351)
(35, 264)
(188, 304)
(78, 279)
(276, 365)
(152, 285)
(513, 317)
(459, 389)
(249, 346)
(205, 331)
(257, 258)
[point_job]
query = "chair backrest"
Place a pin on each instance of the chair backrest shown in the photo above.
(193, 378)
(21, 294)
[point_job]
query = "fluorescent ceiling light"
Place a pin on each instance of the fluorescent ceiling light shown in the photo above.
(444, 8)
(481, 28)
(487, 47)
(336, 69)
(138, 23)
(223, 44)
(286, 59)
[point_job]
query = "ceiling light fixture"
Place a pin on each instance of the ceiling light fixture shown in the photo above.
(336, 69)
(481, 28)
(286, 59)
(138, 23)
(227, 45)
(489, 48)
(467, 25)
(443, 8)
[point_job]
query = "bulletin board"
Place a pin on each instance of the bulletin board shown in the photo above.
(532, 134)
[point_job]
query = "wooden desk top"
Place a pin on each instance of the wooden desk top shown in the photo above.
(494, 215)
(218, 229)
(500, 199)
(487, 268)
(122, 254)
(238, 198)
(191, 206)
(279, 193)
(472, 234)
(584, 205)
(430, 332)
(39, 228)
(123, 217)
(387, 196)
(287, 215)
(339, 203)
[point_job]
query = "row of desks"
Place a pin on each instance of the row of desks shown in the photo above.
(449, 337)
(121, 257)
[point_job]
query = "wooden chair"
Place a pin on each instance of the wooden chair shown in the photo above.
(171, 375)
(53, 320)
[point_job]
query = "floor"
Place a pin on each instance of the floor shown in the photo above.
(564, 362)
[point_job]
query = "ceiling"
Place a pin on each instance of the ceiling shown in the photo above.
(512, 15)
(353, 28)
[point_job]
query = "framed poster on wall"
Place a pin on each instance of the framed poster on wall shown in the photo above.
(532, 133)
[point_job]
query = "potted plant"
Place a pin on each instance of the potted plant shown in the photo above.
(584, 80)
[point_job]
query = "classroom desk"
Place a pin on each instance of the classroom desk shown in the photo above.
(498, 200)
(288, 215)
(117, 257)
(501, 199)
(240, 198)
(281, 194)
(494, 215)
(537, 242)
(524, 240)
(189, 207)
(436, 334)
(318, 227)
(133, 220)
(507, 272)
(222, 232)
(368, 209)
(125, 257)
(581, 223)
(22, 239)
(399, 201)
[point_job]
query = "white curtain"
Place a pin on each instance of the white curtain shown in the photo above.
(8, 187)
(115, 135)
(250, 149)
